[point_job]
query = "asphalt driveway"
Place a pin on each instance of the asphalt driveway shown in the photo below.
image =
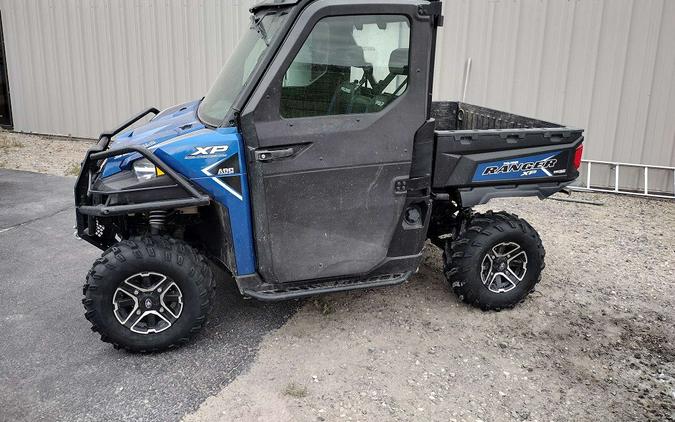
(52, 367)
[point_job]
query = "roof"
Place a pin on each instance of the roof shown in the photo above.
(261, 4)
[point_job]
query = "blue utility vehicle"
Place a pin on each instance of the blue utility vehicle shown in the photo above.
(316, 163)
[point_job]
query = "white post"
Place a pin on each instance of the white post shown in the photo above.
(646, 180)
(467, 71)
(616, 178)
(588, 175)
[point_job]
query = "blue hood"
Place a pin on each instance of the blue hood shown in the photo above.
(170, 123)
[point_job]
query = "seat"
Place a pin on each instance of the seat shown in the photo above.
(398, 66)
(352, 96)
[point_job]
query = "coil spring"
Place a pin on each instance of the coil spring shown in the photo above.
(157, 220)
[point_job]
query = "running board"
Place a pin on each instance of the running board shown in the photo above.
(318, 287)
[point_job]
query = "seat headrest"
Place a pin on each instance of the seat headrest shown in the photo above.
(347, 56)
(398, 61)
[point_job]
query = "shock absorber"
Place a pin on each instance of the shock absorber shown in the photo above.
(157, 220)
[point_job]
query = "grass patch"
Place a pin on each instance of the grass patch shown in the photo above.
(6, 143)
(324, 305)
(295, 390)
(72, 170)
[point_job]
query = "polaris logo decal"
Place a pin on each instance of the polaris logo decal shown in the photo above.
(209, 151)
(534, 166)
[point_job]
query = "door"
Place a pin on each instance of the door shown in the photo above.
(330, 132)
(5, 105)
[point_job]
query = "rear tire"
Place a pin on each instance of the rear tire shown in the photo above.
(496, 262)
(148, 294)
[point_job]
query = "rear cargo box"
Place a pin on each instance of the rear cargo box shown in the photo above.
(479, 148)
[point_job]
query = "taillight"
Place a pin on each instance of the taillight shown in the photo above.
(577, 156)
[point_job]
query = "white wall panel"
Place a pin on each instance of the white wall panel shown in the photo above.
(77, 67)
(605, 65)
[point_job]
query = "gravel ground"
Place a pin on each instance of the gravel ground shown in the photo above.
(42, 154)
(595, 341)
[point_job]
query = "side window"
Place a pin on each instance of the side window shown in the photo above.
(348, 64)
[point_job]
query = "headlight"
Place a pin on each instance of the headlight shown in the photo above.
(145, 170)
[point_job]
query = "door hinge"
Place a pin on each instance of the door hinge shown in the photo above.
(413, 184)
(434, 9)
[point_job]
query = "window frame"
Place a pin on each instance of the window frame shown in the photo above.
(405, 18)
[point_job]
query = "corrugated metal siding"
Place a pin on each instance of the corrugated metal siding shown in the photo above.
(77, 67)
(605, 65)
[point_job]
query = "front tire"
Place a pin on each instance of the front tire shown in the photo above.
(496, 262)
(148, 294)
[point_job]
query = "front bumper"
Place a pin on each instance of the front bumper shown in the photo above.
(91, 205)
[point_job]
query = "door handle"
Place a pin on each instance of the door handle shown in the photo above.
(273, 154)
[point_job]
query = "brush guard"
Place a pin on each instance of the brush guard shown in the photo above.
(87, 212)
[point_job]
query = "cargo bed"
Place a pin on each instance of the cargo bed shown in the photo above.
(489, 153)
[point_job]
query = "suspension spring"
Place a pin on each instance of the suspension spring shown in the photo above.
(157, 221)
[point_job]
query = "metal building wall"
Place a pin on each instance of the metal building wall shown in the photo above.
(604, 65)
(77, 67)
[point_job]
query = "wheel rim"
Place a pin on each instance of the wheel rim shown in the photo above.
(503, 267)
(147, 303)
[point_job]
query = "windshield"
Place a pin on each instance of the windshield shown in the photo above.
(235, 75)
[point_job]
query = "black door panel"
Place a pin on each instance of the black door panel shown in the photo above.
(331, 222)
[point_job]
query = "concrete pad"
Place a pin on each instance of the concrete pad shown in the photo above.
(25, 196)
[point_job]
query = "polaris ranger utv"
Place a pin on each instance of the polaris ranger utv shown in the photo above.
(316, 163)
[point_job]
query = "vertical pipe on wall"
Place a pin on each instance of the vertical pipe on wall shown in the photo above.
(467, 73)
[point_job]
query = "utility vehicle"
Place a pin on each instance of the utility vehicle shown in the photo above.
(316, 163)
